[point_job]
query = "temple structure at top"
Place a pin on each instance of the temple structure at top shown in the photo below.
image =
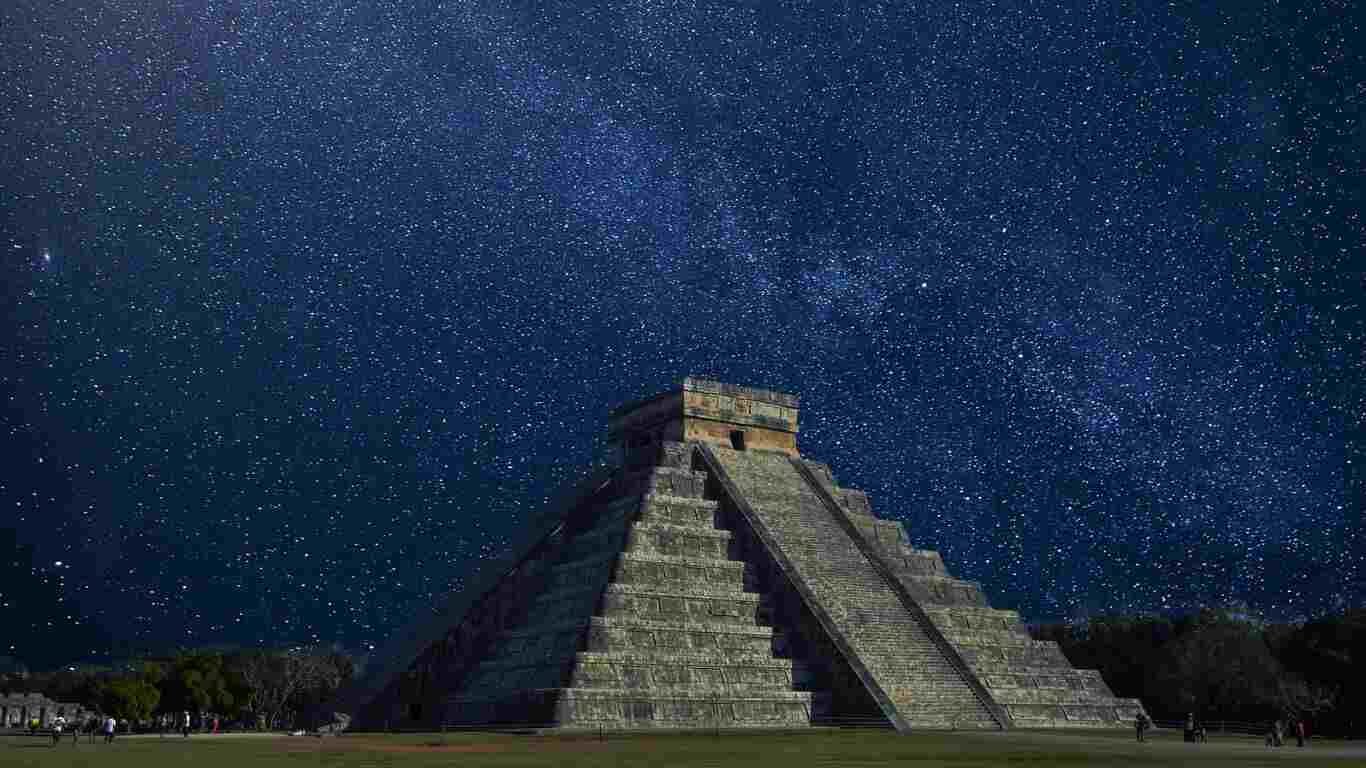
(699, 410)
(711, 576)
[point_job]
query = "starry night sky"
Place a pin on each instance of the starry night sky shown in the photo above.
(307, 304)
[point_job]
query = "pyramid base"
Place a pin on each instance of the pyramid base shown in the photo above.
(615, 709)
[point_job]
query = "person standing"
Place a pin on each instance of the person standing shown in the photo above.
(57, 726)
(109, 725)
(1299, 733)
(185, 724)
(1140, 725)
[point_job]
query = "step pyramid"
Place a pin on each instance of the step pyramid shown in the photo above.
(708, 576)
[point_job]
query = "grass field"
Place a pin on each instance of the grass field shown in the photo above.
(818, 748)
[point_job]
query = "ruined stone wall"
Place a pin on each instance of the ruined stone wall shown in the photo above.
(17, 710)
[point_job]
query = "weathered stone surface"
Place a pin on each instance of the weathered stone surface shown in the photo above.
(1032, 680)
(18, 710)
(709, 577)
(920, 683)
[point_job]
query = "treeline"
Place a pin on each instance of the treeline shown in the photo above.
(253, 689)
(1221, 665)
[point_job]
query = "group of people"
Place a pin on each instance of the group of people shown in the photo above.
(185, 724)
(107, 726)
(1195, 732)
(1276, 733)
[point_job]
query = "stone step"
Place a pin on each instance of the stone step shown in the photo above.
(931, 591)
(678, 541)
(975, 617)
(1052, 696)
(701, 657)
(887, 639)
(998, 659)
(647, 568)
(615, 635)
(923, 563)
(1064, 715)
(660, 509)
(567, 604)
(615, 708)
(669, 674)
(618, 708)
(988, 638)
(887, 535)
(731, 592)
(630, 601)
(676, 510)
(685, 573)
(665, 481)
(538, 643)
(1083, 683)
(592, 569)
(690, 673)
(605, 537)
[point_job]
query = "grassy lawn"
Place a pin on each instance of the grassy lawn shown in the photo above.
(818, 748)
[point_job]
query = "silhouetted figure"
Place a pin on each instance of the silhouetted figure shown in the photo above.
(1299, 733)
(1141, 724)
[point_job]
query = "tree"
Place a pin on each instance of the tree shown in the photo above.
(1221, 664)
(1331, 652)
(129, 698)
(276, 683)
(197, 682)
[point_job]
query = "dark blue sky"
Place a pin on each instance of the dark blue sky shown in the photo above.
(308, 304)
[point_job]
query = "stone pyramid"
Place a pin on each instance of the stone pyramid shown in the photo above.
(710, 577)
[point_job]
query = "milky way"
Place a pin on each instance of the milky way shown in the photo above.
(308, 304)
